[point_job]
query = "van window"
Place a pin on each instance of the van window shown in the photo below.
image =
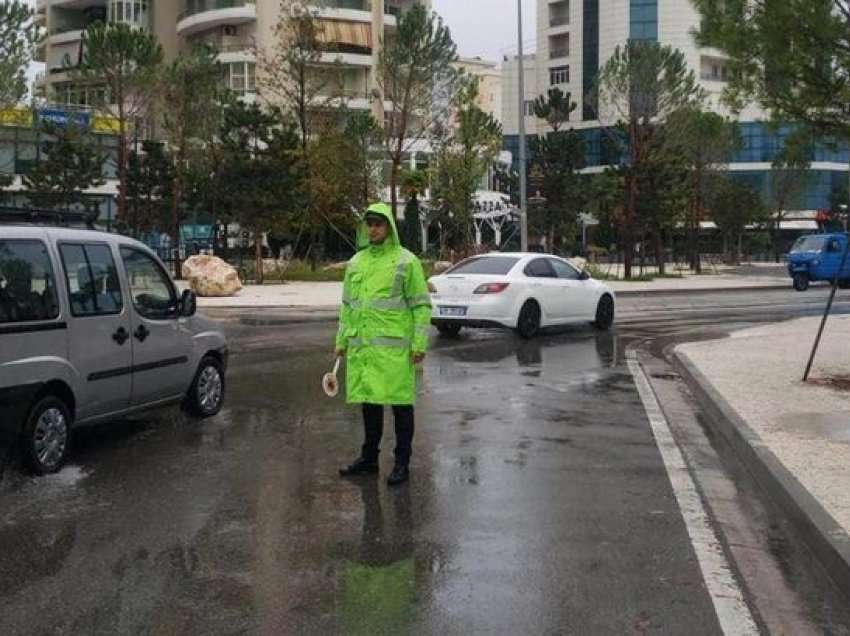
(27, 286)
(150, 287)
(92, 279)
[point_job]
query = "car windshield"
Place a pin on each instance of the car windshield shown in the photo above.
(496, 265)
(808, 244)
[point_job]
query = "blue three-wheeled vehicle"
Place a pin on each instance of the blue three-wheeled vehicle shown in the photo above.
(818, 257)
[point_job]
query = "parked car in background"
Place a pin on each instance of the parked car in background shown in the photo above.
(818, 257)
(91, 329)
(521, 291)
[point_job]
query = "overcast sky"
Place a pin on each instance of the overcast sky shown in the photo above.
(487, 28)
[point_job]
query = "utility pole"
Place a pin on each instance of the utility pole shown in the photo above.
(523, 200)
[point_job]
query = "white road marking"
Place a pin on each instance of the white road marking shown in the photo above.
(732, 611)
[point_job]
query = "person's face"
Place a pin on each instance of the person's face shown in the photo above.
(378, 228)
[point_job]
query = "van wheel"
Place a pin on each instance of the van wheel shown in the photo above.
(47, 436)
(206, 396)
(528, 323)
(801, 282)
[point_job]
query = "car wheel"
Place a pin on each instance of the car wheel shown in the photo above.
(47, 435)
(206, 396)
(449, 331)
(604, 313)
(528, 323)
(801, 282)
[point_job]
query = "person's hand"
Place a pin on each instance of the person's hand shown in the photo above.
(418, 357)
(339, 353)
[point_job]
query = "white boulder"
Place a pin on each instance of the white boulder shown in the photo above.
(209, 276)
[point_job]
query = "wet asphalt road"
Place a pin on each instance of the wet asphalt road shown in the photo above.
(539, 503)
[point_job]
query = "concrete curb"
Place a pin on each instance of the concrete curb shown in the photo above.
(713, 290)
(827, 540)
(622, 293)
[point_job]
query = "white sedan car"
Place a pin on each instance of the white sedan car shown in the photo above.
(522, 291)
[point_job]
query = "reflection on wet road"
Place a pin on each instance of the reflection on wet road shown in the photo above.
(538, 504)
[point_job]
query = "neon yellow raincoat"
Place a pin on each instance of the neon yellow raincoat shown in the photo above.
(385, 318)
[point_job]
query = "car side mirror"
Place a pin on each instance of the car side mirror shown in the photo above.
(584, 276)
(833, 246)
(188, 304)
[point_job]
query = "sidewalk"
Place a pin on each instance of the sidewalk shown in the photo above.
(794, 437)
(327, 295)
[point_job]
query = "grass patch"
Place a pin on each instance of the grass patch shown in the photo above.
(600, 274)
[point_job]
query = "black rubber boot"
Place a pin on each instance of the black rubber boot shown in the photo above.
(399, 475)
(360, 466)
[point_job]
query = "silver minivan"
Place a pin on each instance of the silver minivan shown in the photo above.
(92, 328)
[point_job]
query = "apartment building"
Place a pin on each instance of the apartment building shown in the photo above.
(575, 38)
(351, 29)
(489, 83)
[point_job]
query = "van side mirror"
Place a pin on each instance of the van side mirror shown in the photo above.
(188, 304)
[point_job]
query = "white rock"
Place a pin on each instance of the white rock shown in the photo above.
(441, 266)
(578, 262)
(209, 276)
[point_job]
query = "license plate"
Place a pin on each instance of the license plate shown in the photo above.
(800, 268)
(453, 311)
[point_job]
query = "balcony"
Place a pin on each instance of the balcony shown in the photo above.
(201, 15)
(66, 34)
(356, 11)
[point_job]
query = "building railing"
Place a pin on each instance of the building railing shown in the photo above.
(560, 52)
(556, 21)
(194, 7)
(361, 5)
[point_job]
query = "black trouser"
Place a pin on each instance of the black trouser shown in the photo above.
(373, 423)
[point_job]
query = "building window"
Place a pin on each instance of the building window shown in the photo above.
(643, 20)
(132, 12)
(240, 77)
(559, 75)
(529, 108)
(559, 46)
(559, 13)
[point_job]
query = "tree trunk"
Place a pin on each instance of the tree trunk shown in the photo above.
(175, 225)
(393, 181)
(628, 227)
(696, 262)
(658, 241)
(776, 229)
(122, 175)
(258, 258)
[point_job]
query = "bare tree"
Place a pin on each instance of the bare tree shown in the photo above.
(123, 63)
(417, 76)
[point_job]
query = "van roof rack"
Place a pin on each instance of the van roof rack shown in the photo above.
(41, 216)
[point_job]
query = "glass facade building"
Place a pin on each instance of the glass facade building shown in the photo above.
(760, 144)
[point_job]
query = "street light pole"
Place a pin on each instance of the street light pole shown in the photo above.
(523, 201)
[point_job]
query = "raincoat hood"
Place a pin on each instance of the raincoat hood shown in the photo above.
(381, 209)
